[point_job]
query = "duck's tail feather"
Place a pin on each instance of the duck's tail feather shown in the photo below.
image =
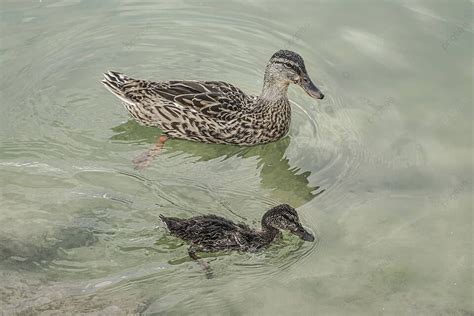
(165, 220)
(114, 82)
(172, 223)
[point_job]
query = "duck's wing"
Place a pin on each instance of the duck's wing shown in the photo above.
(214, 99)
(210, 231)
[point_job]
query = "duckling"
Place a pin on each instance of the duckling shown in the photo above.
(211, 233)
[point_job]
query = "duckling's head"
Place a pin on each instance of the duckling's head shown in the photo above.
(287, 67)
(284, 217)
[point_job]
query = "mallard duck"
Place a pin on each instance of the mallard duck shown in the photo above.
(211, 233)
(216, 111)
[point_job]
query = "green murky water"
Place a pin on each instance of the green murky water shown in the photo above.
(381, 169)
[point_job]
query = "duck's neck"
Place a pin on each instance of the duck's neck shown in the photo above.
(268, 232)
(273, 90)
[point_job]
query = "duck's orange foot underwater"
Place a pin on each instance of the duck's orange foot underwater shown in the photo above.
(144, 160)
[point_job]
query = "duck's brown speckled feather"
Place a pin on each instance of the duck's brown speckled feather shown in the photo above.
(216, 111)
(204, 111)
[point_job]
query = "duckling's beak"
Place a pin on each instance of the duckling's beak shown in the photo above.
(310, 88)
(304, 234)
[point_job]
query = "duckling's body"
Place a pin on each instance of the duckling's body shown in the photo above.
(216, 111)
(210, 233)
(215, 233)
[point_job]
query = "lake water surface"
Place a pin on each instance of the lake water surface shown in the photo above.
(381, 169)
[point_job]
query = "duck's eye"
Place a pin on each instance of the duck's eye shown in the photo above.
(287, 65)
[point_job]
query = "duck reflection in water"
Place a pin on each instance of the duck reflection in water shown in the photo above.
(284, 182)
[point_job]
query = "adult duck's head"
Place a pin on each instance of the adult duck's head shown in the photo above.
(284, 217)
(287, 67)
